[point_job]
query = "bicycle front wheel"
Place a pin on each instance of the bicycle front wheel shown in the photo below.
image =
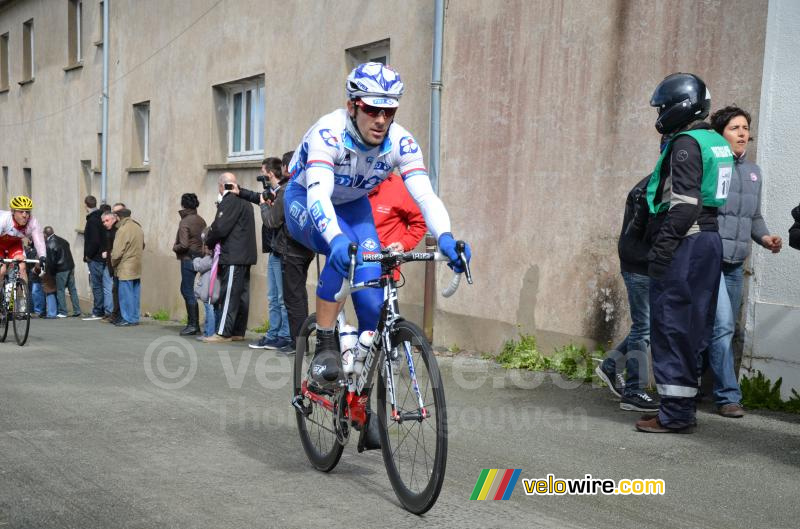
(4, 315)
(316, 417)
(22, 311)
(413, 437)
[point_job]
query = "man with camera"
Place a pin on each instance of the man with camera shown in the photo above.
(234, 228)
(277, 336)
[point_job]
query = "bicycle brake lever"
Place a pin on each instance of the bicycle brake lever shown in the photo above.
(352, 250)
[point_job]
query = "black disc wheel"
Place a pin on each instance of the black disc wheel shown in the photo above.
(318, 423)
(413, 437)
(21, 311)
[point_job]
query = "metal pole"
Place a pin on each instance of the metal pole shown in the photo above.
(429, 297)
(104, 148)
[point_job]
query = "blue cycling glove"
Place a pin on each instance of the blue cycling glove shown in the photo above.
(447, 245)
(339, 258)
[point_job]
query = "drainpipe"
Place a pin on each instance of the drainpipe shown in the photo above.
(104, 148)
(433, 162)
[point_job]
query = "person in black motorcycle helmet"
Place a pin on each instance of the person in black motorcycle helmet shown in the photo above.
(680, 99)
(689, 182)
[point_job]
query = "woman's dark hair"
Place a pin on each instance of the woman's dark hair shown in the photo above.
(189, 201)
(721, 118)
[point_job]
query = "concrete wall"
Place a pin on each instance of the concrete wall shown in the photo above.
(773, 313)
(546, 125)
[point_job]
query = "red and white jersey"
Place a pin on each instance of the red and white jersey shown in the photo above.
(10, 231)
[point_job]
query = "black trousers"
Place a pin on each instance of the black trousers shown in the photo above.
(234, 300)
(115, 314)
(295, 295)
(682, 310)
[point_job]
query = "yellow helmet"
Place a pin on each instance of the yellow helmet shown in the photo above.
(21, 202)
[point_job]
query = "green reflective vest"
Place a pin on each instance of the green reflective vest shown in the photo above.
(717, 170)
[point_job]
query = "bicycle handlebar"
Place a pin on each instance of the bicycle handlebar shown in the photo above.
(402, 257)
(29, 261)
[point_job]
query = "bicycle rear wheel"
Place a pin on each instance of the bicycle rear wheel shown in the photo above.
(413, 439)
(316, 422)
(22, 311)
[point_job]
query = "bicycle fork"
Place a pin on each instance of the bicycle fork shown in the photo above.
(422, 412)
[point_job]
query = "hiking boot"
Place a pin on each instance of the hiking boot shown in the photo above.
(638, 401)
(615, 381)
(731, 411)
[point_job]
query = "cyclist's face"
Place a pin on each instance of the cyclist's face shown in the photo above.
(21, 217)
(372, 128)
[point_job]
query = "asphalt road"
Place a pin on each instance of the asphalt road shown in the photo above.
(92, 436)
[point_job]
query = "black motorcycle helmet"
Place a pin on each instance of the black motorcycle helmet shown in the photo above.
(680, 98)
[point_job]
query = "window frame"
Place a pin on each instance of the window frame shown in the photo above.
(141, 116)
(251, 121)
(29, 47)
(5, 66)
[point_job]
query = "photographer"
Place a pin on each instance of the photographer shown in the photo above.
(277, 336)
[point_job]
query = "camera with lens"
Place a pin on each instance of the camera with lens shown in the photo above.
(268, 194)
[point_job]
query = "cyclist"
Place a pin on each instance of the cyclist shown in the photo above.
(342, 157)
(14, 225)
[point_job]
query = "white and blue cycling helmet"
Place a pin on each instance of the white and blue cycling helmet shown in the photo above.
(375, 84)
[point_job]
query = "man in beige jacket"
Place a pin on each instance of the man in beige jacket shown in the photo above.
(126, 259)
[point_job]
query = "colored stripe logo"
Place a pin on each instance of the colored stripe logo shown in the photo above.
(495, 484)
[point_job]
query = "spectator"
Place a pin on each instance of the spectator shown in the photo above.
(61, 265)
(794, 231)
(188, 245)
(234, 229)
(126, 258)
(399, 221)
(37, 294)
(109, 219)
(739, 221)
(688, 184)
(108, 282)
(93, 237)
(632, 250)
(51, 300)
(203, 286)
(277, 336)
(294, 261)
(278, 329)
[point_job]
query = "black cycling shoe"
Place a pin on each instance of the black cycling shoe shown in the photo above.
(326, 365)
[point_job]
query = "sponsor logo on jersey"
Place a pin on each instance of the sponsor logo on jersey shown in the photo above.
(298, 213)
(318, 216)
(408, 145)
(382, 166)
(329, 138)
(342, 180)
(369, 244)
